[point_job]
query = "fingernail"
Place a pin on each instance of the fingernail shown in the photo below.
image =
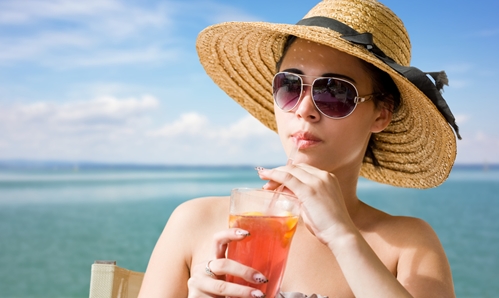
(260, 278)
(242, 233)
(257, 294)
(265, 186)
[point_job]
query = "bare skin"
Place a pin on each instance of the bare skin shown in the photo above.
(342, 247)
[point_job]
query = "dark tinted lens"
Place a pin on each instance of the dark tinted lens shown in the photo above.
(334, 97)
(287, 90)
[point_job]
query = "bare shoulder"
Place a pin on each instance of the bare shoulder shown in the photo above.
(414, 251)
(198, 215)
(201, 208)
(415, 238)
(185, 236)
(402, 229)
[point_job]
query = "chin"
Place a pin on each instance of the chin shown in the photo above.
(316, 161)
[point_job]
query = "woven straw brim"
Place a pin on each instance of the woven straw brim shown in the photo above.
(416, 150)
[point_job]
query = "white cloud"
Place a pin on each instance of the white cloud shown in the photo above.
(100, 32)
(44, 120)
(21, 48)
(114, 15)
(114, 129)
(478, 146)
(194, 124)
(247, 127)
(125, 15)
(115, 57)
(460, 83)
(83, 130)
(17, 12)
(191, 124)
(105, 108)
(461, 118)
(95, 32)
(68, 33)
(193, 138)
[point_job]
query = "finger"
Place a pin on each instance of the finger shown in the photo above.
(222, 238)
(298, 178)
(278, 188)
(279, 176)
(306, 173)
(202, 285)
(271, 185)
(220, 288)
(231, 267)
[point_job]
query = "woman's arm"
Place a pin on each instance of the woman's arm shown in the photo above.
(168, 269)
(197, 232)
(423, 269)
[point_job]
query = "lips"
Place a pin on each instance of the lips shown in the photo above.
(304, 139)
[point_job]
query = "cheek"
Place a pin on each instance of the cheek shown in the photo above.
(280, 119)
(356, 136)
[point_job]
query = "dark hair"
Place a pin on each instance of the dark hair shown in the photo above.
(384, 87)
(387, 94)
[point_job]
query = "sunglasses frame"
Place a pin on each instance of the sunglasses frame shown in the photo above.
(357, 99)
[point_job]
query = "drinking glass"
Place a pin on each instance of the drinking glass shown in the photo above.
(271, 219)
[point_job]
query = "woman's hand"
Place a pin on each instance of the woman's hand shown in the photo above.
(208, 278)
(323, 207)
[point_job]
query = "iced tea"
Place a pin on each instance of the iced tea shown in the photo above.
(266, 249)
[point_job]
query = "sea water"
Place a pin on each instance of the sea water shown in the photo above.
(54, 223)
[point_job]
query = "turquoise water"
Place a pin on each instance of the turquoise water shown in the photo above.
(55, 223)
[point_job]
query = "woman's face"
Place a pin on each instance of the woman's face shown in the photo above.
(329, 144)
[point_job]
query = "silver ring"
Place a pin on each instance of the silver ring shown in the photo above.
(208, 271)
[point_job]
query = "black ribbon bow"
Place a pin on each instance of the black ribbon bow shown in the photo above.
(413, 74)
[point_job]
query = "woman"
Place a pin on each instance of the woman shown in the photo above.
(388, 123)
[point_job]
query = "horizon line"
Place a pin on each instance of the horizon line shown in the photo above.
(64, 164)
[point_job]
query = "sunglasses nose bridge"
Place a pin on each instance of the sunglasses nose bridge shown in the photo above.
(306, 90)
(306, 104)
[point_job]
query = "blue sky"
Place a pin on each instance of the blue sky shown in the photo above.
(119, 81)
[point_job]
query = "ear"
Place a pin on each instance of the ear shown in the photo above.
(383, 118)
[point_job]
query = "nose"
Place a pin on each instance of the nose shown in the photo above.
(306, 108)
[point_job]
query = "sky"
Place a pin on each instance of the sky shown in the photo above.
(119, 81)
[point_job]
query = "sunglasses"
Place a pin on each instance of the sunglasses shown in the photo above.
(334, 97)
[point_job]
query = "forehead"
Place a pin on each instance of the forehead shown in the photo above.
(316, 59)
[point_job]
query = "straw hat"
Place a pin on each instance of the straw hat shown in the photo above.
(416, 150)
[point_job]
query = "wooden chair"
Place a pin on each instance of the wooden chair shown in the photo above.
(110, 281)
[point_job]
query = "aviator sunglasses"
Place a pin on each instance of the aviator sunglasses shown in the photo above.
(334, 97)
